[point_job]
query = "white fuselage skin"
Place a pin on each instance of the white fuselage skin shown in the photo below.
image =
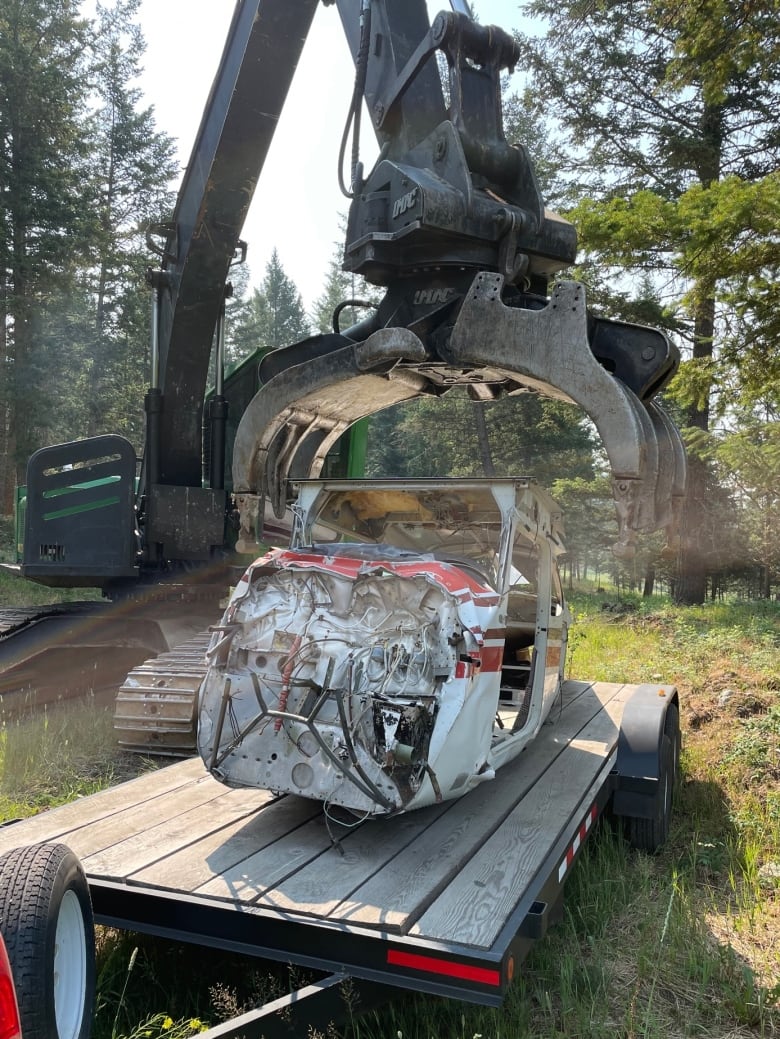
(375, 683)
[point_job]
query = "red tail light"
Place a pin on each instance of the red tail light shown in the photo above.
(10, 1026)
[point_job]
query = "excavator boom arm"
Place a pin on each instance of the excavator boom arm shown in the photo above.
(258, 63)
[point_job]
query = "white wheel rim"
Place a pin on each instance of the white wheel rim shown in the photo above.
(70, 967)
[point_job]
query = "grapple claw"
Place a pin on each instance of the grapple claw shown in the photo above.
(549, 350)
(321, 387)
(293, 421)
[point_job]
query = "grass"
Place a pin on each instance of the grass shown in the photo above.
(16, 591)
(49, 759)
(685, 943)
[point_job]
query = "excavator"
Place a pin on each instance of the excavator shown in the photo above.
(451, 224)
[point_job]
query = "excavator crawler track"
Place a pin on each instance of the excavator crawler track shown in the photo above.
(156, 707)
(64, 650)
(15, 618)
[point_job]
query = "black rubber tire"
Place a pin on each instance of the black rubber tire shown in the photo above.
(43, 887)
(649, 835)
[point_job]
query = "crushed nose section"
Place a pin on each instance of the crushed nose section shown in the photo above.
(325, 680)
(610, 369)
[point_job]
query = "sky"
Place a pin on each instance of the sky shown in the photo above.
(297, 206)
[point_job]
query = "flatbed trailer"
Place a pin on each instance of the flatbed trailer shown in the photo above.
(446, 900)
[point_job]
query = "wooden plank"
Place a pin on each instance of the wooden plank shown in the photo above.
(57, 823)
(300, 859)
(476, 905)
(180, 830)
(399, 893)
(319, 886)
(103, 833)
(474, 912)
(248, 879)
(133, 853)
(223, 852)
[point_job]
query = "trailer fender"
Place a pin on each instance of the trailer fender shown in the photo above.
(639, 759)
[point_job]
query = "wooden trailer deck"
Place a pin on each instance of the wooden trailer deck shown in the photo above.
(463, 875)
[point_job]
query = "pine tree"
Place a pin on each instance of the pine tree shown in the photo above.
(341, 287)
(133, 167)
(527, 435)
(750, 457)
(46, 218)
(668, 114)
(274, 315)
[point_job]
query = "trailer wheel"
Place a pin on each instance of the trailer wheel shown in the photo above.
(46, 921)
(650, 834)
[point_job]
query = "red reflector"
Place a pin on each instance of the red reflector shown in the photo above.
(432, 965)
(10, 1027)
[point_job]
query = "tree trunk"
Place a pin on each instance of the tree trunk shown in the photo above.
(766, 582)
(649, 584)
(7, 466)
(6, 419)
(691, 585)
(485, 454)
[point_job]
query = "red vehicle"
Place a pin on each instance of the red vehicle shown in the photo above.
(10, 1026)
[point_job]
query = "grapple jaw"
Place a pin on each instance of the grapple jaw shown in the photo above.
(554, 347)
(552, 350)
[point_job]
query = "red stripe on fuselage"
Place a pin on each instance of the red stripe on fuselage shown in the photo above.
(491, 657)
(448, 575)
